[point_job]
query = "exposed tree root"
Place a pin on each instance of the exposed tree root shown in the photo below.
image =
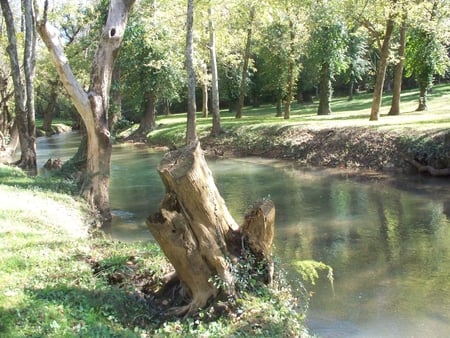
(429, 169)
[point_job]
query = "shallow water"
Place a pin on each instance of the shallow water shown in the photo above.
(387, 239)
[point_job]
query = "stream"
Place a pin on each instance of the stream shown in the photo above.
(386, 238)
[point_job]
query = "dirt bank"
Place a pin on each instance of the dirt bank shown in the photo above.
(347, 147)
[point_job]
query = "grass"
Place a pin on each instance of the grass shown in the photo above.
(355, 113)
(61, 278)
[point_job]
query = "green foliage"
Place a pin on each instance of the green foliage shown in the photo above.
(426, 56)
(309, 270)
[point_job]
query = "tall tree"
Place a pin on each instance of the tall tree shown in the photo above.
(383, 42)
(93, 104)
(328, 48)
(215, 108)
(426, 49)
(191, 133)
(23, 84)
(246, 57)
(398, 72)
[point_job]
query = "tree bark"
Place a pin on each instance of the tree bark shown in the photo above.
(290, 73)
(215, 106)
(51, 105)
(191, 133)
(398, 75)
(381, 71)
(196, 231)
(423, 93)
(205, 110)
(324, 91)
(148, 120)
(115, 111)
(243, 85)
(93, 105)
(23, 93)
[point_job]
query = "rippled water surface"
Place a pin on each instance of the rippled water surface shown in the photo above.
(388, 240)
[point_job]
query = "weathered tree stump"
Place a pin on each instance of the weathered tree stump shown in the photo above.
(197, 232)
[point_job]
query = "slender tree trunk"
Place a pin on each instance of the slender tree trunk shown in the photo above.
(290, 73)
(205, 110)
(279, 111)
(191, 133)
(93, 105)
(381, 71)
(23, 93)
(351, 89)
(325, 90)
(215, 108)
(243, 85)
(166, 107)
(398, 75)
(51, 106)
(423, 93)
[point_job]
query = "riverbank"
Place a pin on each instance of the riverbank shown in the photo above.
(61, 277)
(410, 142)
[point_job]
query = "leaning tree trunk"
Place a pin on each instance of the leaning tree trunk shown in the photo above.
(93, 105)
(381, 71)
(197, 232)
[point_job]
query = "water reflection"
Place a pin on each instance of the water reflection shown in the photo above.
(388, 240)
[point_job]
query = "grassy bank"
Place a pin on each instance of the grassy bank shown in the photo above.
(345, 138)
(60, 278)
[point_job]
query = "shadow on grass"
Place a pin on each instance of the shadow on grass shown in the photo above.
(89, 313)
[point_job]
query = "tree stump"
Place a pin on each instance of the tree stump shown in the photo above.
(197, 232)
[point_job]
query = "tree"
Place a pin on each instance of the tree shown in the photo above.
(328, 47)
(151, 68)
(191, 133)
(383, 41)
(93, 104)
(357, 56)
(215, 108)
(23, 84)
(246, 58)
(398, 72)
(426, 52)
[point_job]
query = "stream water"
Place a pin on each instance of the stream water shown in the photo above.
(387, 239)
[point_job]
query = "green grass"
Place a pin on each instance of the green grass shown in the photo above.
(56, 276)
(345, 113)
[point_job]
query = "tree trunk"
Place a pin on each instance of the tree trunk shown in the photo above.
(279, 112)
(51, 106)
(115, 111)
(398, 75)
(93, 105)
(423, 93)
(23, 93)
(325, 90)
(205, 110)
(243, 85)
(290, 73)
(381, 71)
(148, 120)
(198, 234)
(191, 133)
(215, 108)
